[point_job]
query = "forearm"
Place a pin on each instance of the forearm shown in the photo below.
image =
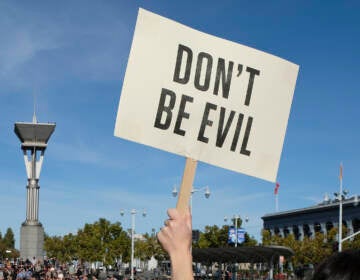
(181, 266)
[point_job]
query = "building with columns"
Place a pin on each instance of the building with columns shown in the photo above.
(319, 218)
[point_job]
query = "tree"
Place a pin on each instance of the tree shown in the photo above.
(141, 250)
(249, 240)
(7, 243)
(151, 248)
(100, 241)
(54, 247)
(213, 237)
(9, 239)
(266, 237)
(309, 250)
(103, 241)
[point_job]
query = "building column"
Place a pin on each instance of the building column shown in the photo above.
(350, 227)
(281, 232)
(323, 228)
(312, 230)
(291, 231)
(301, 232)
(324, 231)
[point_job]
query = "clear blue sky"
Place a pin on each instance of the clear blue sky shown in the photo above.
(72, 56)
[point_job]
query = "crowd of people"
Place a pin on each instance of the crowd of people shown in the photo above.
(49, 269)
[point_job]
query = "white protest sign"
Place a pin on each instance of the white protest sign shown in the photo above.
(206, 98)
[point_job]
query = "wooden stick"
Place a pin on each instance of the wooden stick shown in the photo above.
(186, 185)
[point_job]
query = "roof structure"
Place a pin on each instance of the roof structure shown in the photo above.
(320, 208)
(34, 134)
(243, 254)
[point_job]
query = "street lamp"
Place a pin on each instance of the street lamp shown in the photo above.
(341, 195)
(133, 214)
(341, 198)
(236, 217)
(206, 190)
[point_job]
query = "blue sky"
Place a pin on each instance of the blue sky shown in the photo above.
(72, 56)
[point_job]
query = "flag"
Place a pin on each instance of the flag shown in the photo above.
(341, 171)
(277, 186)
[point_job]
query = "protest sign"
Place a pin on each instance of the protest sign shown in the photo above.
(205, 98)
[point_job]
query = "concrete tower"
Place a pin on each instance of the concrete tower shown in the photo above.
(34, 137)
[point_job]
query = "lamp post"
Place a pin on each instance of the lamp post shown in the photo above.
(341, 198)
(236, 217)
(206, 190)
(341, 195)
(133, 214)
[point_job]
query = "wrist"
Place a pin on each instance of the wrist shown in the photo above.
(181, 256)
(181, 265)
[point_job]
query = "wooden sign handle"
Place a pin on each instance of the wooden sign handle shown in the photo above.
(186, 185)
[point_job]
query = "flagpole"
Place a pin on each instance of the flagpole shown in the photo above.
(340, 209)
(276, 192)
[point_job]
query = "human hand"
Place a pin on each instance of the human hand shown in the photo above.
(176, 238)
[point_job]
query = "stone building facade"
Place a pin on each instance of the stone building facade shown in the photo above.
(319, 218)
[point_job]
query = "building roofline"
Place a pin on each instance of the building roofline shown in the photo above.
(319, 207)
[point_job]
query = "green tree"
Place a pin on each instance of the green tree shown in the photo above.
(291, 242)
(100, 241)
(141, 250)
(308, 251)
(119, 244)
(53, 246)
(313, 250)
(213, 237)
(153, 247)
(249, 240)
(266, 237)
(7, 245)
(9, 239)
(103, 241)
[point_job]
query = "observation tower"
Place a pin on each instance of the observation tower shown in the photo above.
(33, 137)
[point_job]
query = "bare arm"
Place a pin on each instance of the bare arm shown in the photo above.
(175, 238)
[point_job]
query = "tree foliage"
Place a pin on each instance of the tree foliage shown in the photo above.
(106, 241)
(9, 239)
(100, 241)
(311, 250)
(215, 237)
(149, 247)
(7, 245)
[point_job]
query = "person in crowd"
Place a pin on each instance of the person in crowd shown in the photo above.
(2, 274)
(176, 238)
(339, 266)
